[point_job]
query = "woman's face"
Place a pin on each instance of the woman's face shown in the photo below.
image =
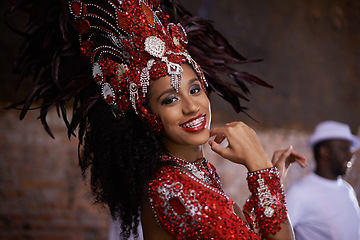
(185, 114)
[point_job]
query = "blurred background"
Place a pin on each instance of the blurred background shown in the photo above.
(311, 56)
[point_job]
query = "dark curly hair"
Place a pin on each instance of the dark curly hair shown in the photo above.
(122, 155)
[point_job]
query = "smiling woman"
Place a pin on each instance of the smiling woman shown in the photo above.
(185, 113)
(138, 73)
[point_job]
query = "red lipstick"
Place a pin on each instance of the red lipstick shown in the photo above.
(195, 124)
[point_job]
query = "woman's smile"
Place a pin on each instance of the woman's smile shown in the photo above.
(195, 124)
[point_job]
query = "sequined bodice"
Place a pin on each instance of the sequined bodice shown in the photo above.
(201, 169)
(191, 207)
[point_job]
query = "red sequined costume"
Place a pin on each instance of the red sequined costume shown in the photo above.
(189, 203)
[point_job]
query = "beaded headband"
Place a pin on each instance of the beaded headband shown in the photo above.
(129, 43)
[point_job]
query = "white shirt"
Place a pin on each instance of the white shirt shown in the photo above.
(323, 209)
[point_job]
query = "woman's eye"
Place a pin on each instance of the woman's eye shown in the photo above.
(195, 89)
(169, 100)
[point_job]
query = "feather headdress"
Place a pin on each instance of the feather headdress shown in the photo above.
(84, 50)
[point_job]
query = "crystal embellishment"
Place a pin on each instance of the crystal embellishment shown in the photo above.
(155, 46)
(265, 197)
(144, 80)
(96, 71)
(134, 96)
(175, 71)
(108, 93)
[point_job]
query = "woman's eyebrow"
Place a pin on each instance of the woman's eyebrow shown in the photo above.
(170, 90)
(193, 80)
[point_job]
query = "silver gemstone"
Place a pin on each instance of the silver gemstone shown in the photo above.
(107, 92)
(155, 46)
(97, 70)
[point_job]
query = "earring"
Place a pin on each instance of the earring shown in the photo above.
(151, 120)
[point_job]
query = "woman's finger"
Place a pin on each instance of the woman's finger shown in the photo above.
(217, 131)
(217, 148)
(297, 157)
(301, 161)
(280, 156)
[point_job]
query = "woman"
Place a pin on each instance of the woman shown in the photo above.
(186, 118)
(145, 116)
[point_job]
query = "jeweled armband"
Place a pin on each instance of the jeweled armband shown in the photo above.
(267, 201)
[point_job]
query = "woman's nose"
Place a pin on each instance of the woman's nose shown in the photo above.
(190, 106)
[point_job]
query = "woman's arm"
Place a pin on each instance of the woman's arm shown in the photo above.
(244, 148)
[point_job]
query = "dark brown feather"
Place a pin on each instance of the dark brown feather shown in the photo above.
(50, 55)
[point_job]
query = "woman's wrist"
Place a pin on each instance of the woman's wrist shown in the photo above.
(267, 201)
(259, 163)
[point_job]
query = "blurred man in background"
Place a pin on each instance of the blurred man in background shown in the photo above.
(322, 205)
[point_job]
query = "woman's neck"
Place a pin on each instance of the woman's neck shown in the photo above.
(188, 153)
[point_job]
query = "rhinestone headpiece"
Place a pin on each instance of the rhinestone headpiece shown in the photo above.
(129, 43)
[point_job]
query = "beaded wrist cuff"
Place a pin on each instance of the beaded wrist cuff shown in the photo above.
(267, 201)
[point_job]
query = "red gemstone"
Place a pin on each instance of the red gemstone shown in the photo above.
(177, 205)
(82, 25)
(108, 99)
(76, 8)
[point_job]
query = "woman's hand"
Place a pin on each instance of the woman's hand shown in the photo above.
(283, 158)
(243, 147)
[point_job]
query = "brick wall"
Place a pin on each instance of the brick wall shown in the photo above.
(42, 194)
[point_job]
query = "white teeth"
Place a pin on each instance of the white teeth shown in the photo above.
(194, 124)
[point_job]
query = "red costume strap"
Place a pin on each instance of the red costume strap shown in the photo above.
(267, 202)
(188, 208)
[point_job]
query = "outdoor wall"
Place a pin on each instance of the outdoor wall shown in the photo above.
(42, 193)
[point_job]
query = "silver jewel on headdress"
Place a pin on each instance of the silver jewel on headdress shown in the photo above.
(144, 80)
(97, 72)
(115, 40)
(155, 46)
(156, 18)
(145, 76)
(126, 55)
(134, 95)
(122, 68)
(184, 36)
(194, 64)
(175, 72)
(108, 93)
(150, 63)
(117, 111)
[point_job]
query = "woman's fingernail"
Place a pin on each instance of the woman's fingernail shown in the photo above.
(290, 148)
